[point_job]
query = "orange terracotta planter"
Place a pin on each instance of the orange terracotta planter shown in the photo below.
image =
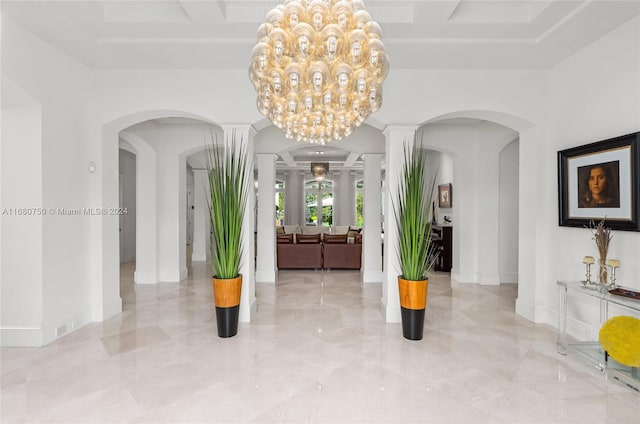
(413, 294)
(226, 291)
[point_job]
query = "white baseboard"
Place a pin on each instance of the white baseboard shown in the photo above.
(475, 278)
(489, 279)
(145, 277)
(392, 314)
(372, 276)
(66, 325)
(21, 337)
(525, 310)
(246, 313)
(509, 277)
(265, 276)
(464, 277)
(171, 276)
(383, 309)
(112, 309)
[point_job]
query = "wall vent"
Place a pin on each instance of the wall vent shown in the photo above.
(61, 330)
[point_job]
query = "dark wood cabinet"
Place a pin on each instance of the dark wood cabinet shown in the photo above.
(442, 239)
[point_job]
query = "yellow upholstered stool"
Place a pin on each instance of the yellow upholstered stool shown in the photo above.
(620, 338)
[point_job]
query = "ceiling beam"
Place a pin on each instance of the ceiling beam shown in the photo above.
(351, 159)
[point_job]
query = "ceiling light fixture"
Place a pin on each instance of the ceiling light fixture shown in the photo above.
(319, 170)
(318, 68)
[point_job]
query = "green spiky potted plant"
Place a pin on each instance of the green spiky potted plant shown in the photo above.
(417, 258)
(228, 183)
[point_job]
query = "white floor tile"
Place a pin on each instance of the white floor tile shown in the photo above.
(317, 350)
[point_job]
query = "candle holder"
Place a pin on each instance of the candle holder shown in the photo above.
(613, 264)
(588, 261)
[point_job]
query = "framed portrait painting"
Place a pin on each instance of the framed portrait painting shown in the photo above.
(601, 180)
(444, 195)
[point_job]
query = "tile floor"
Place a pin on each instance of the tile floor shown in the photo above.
(317, 351)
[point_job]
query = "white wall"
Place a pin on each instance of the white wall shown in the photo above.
(63, 89)
(21, 221)
(417, 96)
(593, 95)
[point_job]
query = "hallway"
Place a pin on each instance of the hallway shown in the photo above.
(317, 350)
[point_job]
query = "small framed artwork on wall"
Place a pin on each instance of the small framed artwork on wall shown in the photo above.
(444, 195)
(601, 180)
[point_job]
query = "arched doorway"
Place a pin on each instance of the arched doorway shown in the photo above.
(496, 222)
(475, 223)
(468, 159)
(107, 302)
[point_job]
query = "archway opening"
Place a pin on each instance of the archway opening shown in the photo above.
(160, 199)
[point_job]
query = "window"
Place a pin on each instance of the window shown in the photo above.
(318, 196)
(359, 202)
(279, 202)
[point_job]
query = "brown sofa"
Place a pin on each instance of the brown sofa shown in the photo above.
(342, 255)
(310, 252)
(299, 255)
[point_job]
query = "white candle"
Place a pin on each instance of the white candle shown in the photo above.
(613, 263)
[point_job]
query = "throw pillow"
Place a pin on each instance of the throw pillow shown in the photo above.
(284, 238)
(307, 238)
(279, 230)
(335, 238)
(353, 231)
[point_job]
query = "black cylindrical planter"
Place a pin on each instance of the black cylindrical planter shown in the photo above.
(412, 323)
(227, 320)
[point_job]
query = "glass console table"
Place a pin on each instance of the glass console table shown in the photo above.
(592, 351)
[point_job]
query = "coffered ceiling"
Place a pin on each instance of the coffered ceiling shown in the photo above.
(533, 34)
(417, 34)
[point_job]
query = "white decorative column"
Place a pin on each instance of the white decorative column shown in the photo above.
(292, 201)
(395, 138)
(182, 217)
(344, 197)
(244, 134)
(372, 226)
(146, 210)
(532, 236)
(266, 262)
(171, 215)
(302, 203)
(201, 219)
(488, 183)
(337, 205)
(106, 300)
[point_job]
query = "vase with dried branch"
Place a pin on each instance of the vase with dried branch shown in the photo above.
(602, 236)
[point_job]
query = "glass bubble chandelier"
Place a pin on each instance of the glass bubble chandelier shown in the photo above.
(318, 68)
